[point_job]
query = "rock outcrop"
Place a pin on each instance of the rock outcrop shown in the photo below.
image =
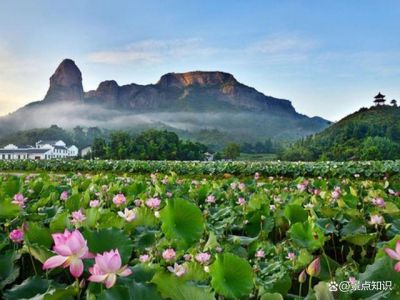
(65, 83)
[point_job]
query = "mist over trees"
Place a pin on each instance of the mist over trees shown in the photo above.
(149, 145)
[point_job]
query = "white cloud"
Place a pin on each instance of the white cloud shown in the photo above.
(283, 44)
(152, 51)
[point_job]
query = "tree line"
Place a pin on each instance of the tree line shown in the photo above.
(149, 145)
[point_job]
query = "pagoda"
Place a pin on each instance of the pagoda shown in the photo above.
(379, 99)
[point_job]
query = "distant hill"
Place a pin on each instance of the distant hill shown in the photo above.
(188, 102)
(370, 133)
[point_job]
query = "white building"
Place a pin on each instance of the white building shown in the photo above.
(43, 150)
(86, 151)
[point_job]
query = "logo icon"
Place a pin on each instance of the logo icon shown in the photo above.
(333, 286)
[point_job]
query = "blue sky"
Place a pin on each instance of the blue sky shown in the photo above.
(328, 57)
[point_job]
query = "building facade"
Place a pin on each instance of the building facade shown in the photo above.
(42, 150)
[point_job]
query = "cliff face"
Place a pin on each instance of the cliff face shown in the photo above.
(204, 79)
(191, 91)
(186, 101)
(65, 83)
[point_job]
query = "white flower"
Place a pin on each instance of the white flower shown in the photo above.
(308, 206)
(128, 214)
(178, 270)
(376, 220)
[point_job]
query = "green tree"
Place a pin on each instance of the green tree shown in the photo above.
(99, 148)
(379, 148)
(120, 145)
(231, 151)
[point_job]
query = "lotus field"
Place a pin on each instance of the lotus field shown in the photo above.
(157, 236)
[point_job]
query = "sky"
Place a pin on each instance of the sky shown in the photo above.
(328, 57)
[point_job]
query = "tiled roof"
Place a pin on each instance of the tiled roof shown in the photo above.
(30, 150)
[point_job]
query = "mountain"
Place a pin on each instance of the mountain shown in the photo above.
(191, 102)
(370, 133)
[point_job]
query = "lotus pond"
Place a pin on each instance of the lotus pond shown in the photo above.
(103, 236)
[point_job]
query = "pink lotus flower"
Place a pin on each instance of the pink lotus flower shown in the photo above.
(119, 199)
(138, 202)
(64, 196)
(144, 258)
(378, 202)
(376, 220)
(19, 200)
(107, 267)
(94, 203)
(352, 280)
(210, 199)
(77, 217)
(169, 194)
(187, 257)
(203, 257)
(291, 256)
(178, 270)
(241, 201)
(71, 248)
(395, 255)
(316, 192)
(301, 187)
(153, 203)
(169, 254)
(17, 236)
(260, 254)
(336, 192)
(242, 186)
(128, 215)
(256, 176)
(234, 185)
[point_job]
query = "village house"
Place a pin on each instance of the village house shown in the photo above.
(42, 150)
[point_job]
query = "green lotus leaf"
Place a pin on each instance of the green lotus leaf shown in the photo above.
(231, 276)
(305, 236)
(182, 221)
(295, 213)
(172, 287)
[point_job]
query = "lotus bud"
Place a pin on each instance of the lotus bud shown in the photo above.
(314, 267)
(82, 284)
(302, 276)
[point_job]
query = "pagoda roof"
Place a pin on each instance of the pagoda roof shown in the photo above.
(379, 96)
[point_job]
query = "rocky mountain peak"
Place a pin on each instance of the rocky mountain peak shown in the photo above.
(181, 80)
(65, 83)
